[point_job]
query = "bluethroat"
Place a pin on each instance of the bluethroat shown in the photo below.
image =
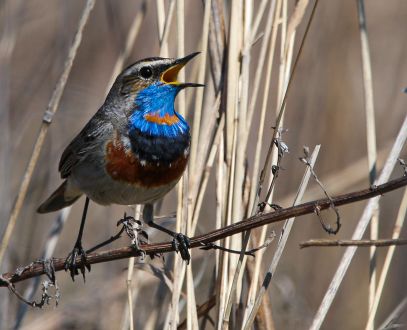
(132, 151)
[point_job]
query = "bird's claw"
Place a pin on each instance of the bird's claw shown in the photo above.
(181, 244)
(70, 262)
(139, 236)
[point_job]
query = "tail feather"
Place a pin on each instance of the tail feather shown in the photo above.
(59, 199)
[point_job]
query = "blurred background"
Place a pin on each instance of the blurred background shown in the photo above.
(325, 106)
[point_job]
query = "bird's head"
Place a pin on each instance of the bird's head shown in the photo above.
(151, 85)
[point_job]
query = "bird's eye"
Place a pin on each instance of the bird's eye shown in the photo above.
(146, 72)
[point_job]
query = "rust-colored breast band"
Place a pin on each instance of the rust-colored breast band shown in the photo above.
(122, 165)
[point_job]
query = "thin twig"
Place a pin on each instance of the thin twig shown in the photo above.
(326, 227)
(351, 242)
(259, 220)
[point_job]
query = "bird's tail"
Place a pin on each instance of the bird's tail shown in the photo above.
(60, 198)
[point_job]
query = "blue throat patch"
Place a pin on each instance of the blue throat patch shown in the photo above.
(155, 113)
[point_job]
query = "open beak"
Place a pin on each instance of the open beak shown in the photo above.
(170, 75)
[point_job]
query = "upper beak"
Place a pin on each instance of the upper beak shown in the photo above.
(170, 75)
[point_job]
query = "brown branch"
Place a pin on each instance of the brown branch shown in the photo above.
(351, 242)
(37, 268)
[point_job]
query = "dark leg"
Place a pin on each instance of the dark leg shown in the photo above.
(180, 241)
(70, 262)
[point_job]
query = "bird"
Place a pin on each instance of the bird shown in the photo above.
(133, 150)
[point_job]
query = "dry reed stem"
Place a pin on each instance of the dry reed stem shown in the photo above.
(262, 238)
(192, 315)
(161, 25)
(10, 22)
(256, 22)
(360, 229)
(239, 154)
(10, 18)
(401, 215)
(167, 27)
(281, 243)
(202, 133)
(217, 42)
(236, 263)
(246, 237)
(129, 307)
(232, 74)
(286, 50)
(232, 133)
(199, 92)
(181, 225)
(208, 128)
(131, 38)
(51, 110)
(241, 111)
(207, 172)
(202, 310)
(179, 268)
(272, 25)
(254, 283)
(229, 242)
(371, 139)
(395, 314)
(129, 283)
(221, 285)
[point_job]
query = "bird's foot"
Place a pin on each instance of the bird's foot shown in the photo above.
(71, 265)
(181, 244)
(138, 236)
(133, 229)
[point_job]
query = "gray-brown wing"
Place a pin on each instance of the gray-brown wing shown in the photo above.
(88, 140)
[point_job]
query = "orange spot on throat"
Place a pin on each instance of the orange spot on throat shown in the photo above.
(167, 119)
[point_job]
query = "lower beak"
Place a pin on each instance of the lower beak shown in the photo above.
(170, 75)
(185, 85)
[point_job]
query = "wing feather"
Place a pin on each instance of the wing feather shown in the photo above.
(87, 141)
